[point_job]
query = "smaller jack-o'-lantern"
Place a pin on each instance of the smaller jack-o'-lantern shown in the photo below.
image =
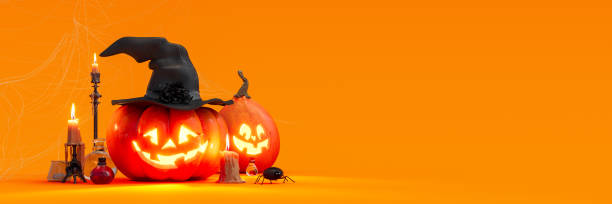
(252, 131)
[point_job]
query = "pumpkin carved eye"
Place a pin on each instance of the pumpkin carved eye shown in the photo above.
(184, 132)
(245, 130)
(260, 131)
(153, 136)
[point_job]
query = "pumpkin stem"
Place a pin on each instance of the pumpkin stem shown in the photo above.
(245, 86)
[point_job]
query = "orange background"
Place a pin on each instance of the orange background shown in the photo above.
(443, 101)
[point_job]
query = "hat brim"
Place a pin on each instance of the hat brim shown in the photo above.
(145, 101)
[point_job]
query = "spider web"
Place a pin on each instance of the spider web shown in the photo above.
(51, 84)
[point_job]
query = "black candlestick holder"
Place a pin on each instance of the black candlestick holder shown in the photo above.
(95, 96)
(74, 167)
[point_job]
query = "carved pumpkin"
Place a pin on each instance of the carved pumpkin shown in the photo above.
(158, 143)
(251, 130)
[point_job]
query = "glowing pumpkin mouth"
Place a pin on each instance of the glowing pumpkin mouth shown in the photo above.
(169, 161)
(250, 147)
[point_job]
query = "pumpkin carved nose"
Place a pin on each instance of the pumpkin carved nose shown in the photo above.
(169, 144)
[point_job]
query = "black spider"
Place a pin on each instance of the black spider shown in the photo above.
(273, 173)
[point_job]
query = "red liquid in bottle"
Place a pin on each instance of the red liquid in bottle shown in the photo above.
(102, 174)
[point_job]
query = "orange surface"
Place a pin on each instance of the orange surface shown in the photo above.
(426, 101)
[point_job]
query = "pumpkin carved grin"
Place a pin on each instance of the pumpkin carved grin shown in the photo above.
(169, 161)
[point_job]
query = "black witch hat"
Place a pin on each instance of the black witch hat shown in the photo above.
(174, 82)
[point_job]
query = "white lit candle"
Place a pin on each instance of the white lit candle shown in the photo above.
(74, 134)
(230, 171)
(94, 66)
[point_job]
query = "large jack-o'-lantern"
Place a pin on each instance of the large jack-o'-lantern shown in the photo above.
(157, 143)
(252, 131)
(165, 134)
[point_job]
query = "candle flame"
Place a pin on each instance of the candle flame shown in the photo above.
(72, 112)
(95, 59)
(227, 143)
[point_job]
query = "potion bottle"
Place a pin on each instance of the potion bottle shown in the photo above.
(102, 174)
(251, 169)
(91, 160)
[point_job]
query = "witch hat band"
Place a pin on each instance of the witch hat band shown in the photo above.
(174, 82)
